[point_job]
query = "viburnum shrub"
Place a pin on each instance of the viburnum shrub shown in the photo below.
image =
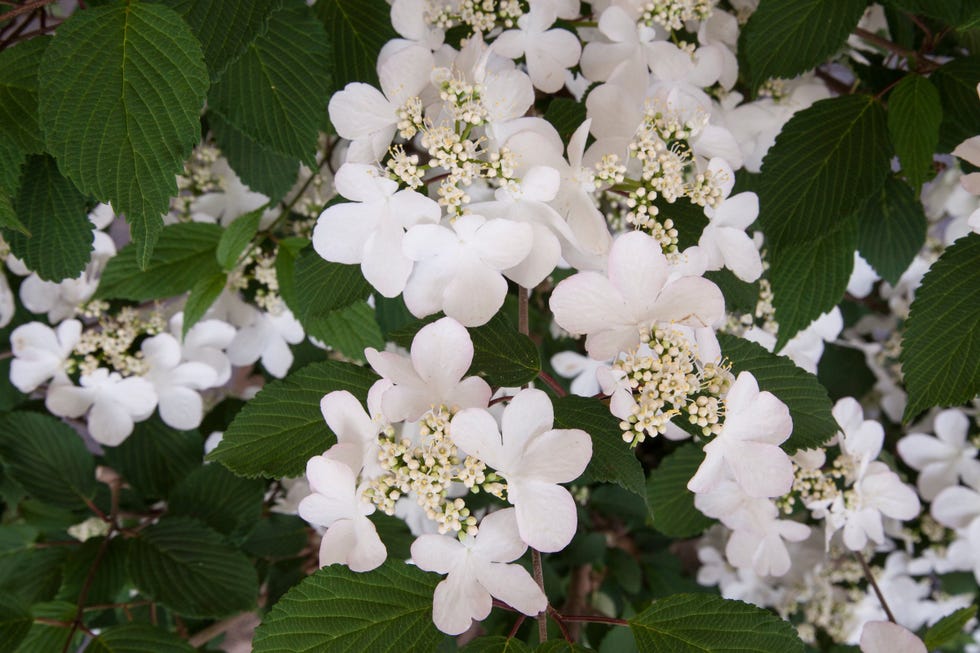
(517, 325)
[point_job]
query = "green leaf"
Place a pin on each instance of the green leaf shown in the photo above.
(203, 294)
(349, 330)
(826, 160)
(391, 314)
(613, 461)
(560, 646)
(395, 534)
(31, 574)
(137, 638)
(225, 29)
(188, 568)
(282, 427)
(388, 610)
(184, 255)
(784, 38)
(807, 400)
(322, 287)
(261, 168)
(956, 82)
(155, 457)
(701, 623)
(688, 218)
(236, 237)
(48, 637)
(54, 213)
(136, 73)
(566, 116)
(276, 92)
(671, 503)
(11, 160)
(844, 372)
(810, 278)
(941, 345)
(504, 356)
(948, 627)
(914, 116)
(357, 29)
(496, 644)
(218, 498)
(15, 622)
(47, 458)
(891, 229)
(740, 296)
(18, 95)
(282, 536)
(108, 577)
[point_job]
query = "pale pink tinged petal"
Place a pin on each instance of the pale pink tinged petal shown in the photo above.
(969, 150)
(378, 388)
(34, 335)
(181, 408)
(886, 637)
(951, 426)
(528, 414)
(956, 507)
(457, 601)
(369, 552)
(346, 453)
(410, 208)
(510, 44)
(499, 539)
(441, 353)
(587, 302)
(394, 367)
(363, 183)
(616, 24)
(503, 243)
(569, 363)
(772, 557)
(475, 431)
(638, 269)
(329, 477)
(739, 254)
(359, 110)
(404, 76)
(342, 231)
(345, 416)
(428, 240)
(558, 456)
(971, 183)
(514, 586)
(338, 543)
(472, 392)
(604, 345)
(437, 553)
(109, 422)
(691, 301)
(546, 516)
(277, 357)
(741, 549)
(474, 294)
(66, 400)
(919, 450)
(761, 470)
(193, 374)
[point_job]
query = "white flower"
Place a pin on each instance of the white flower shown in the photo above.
(356, 430)
(724, 241)
(458, 270)
(886, 637)
(267, 337)
(943, 459)
(7, 306)
(628, 45)
(206, 342)
(116, 403)
(635, 293)
(176, 383)
(582, 369)
(235, 199)
(477, 571)
(433, 376)
(756, 423)
(369, 230)
(533, 458)
(957, 506)
(336, 502)
(549, 53)
(40, 353)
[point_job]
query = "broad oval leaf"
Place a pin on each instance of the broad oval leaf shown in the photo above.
(15, 622)
(137, 73)
(504, 356)
(349, 330)
(941, 345)
(218, 498)
(948, 627)
(956, 82)
(702, 623)
(358, 29)
(155, 457)
(807, 400)
(387, 610)
(914, 116)
(137, 638)
(236, 237)
(282, 427)
(260, 167)
(891, 229)
(826, 160)
(18, 95)
(188, 568)
(671, 503)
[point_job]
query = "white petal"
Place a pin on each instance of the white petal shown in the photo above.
(886, 637)
(342, 231)
(514, 586)
(588, 302)
(441, 353)
(457, 601)
(109, 422)
(360, 110)
(181, 408)
(546, 516)
(499, 539)
(474, 430)
(558, 456)
(528, 414)
(437, 553)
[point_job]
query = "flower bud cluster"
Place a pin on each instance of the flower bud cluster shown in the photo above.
(112, 342)
(672, 14)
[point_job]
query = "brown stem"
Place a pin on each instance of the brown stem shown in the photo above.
(835, 84)
(552, 383)
(204, 636)
(923, 63)
(874, 586)
(25, 8)
(113, 606)
(523, 298)
(539, 579)
(517, 624)
(561, 624)
(595, 619)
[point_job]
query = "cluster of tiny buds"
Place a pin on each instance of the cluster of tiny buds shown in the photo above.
(257, 271)
(404, 167)
(672, 14)
(462, 99)
(479, 15)
(609, 170)
(410, 118)
(642, 214)
(111, 343)
(809, 486)
(198, 178)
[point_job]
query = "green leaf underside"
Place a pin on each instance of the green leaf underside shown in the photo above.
(261, 168)
(322, 287)
(47, 458)
(671, 503)
(45, 636)
(11, 160)
(236, 237)
(914, 116)
(184, 255)
(155, 457)
(810, 278)
(826, 160)
(357, 29)
(282, 427)
(612, 459)
(387, 610)
(348, 330)
(276, 92)
(941, 344)
(504, 356)
(203, 294)
(137, 638)
(225, 29)
(891, 229)
(784, 38)
(188, 568)
(107, 579)
(948, 627)
(807, 400)
(54, 212)
(121, 89)
(18, 95)
(701, 623)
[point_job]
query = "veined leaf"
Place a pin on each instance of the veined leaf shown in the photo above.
(504, 356)
(671, 503)
(218, 498)
(155, 457)
(914, 116)
(956, 82)
(137, 638)
(348, 330)
(891, 229)
(236, 238)
(261, 168)
(203, 294)
(357, 29)
(18, 95)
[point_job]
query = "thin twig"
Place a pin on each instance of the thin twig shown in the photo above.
(539, 579)
(874, 586)
(552, 383)
(595, 619)
(561, 624)
(516, 626)
(25, 8)
(204, 636)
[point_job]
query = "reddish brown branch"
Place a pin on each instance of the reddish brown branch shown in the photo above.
(25, 8)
